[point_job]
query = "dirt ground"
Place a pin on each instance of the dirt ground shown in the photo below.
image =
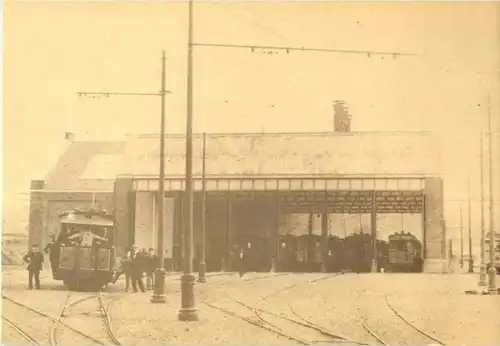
(362, 308)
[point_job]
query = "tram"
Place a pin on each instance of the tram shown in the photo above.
(85, 249)
(405, 253)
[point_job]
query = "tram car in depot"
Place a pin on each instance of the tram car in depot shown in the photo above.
(405, 253)
(497, 251)
(309, 256)
(85, 247)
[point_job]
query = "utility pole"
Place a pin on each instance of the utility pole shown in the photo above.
(203, 267)
(482, 270)
(461, 239)
(492, 287)
(159, 293)
(188, 311)
(471, 261)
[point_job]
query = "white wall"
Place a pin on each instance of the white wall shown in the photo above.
(168, 226)
(144, 220)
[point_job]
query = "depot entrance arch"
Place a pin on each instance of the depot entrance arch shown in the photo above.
(242, 205)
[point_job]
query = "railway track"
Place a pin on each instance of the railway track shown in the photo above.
(395, 326)
(55, 324)
(104, 320)
(26, 336)
(281, 323)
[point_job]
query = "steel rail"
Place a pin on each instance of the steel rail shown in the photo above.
(20, 331)
(107, 320)
(411, 324)
(53, 319)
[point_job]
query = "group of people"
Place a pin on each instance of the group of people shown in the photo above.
(135, 265)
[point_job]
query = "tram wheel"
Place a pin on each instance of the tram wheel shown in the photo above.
(73, 285)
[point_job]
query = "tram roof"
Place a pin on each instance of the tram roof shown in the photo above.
(90, 220)
(261, 154)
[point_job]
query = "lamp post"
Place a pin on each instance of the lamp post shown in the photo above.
(492, 288)
(159, 291)
(188, 311)
(482, 270)
(203, 267)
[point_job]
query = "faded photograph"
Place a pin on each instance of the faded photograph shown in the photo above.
(251, 173)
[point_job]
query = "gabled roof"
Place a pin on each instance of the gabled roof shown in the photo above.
(362, 153)
(88, 166)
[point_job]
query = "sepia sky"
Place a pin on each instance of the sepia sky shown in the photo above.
(53, 50)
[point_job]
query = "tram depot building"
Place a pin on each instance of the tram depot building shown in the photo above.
(252, 183)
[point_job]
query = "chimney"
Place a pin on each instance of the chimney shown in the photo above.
(37, 184)
(69, 136)
(341, 117)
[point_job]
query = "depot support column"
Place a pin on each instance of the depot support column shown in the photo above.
(374, 232)
(276, 234)
(229, 234)
(324, 234)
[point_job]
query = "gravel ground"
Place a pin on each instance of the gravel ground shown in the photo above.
(435, 303)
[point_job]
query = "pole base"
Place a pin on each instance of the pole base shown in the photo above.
(158, 299)
(159, 291)
(492, 287)
(482, 275)
(374, 266)
(188, 315)
(188, 311)
(202, 278)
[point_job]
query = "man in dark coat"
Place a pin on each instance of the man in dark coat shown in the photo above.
(151, 267)
(137, 270)
(52, 249)
(125, 268)
(34, 258)
(244, 264)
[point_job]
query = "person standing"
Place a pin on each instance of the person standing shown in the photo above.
(52, 249)
(137, 270)
(243, 260)
(87, 237)
(151, 267)
(34, 258)
(125, 268)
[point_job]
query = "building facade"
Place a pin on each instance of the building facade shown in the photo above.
(254, 180)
